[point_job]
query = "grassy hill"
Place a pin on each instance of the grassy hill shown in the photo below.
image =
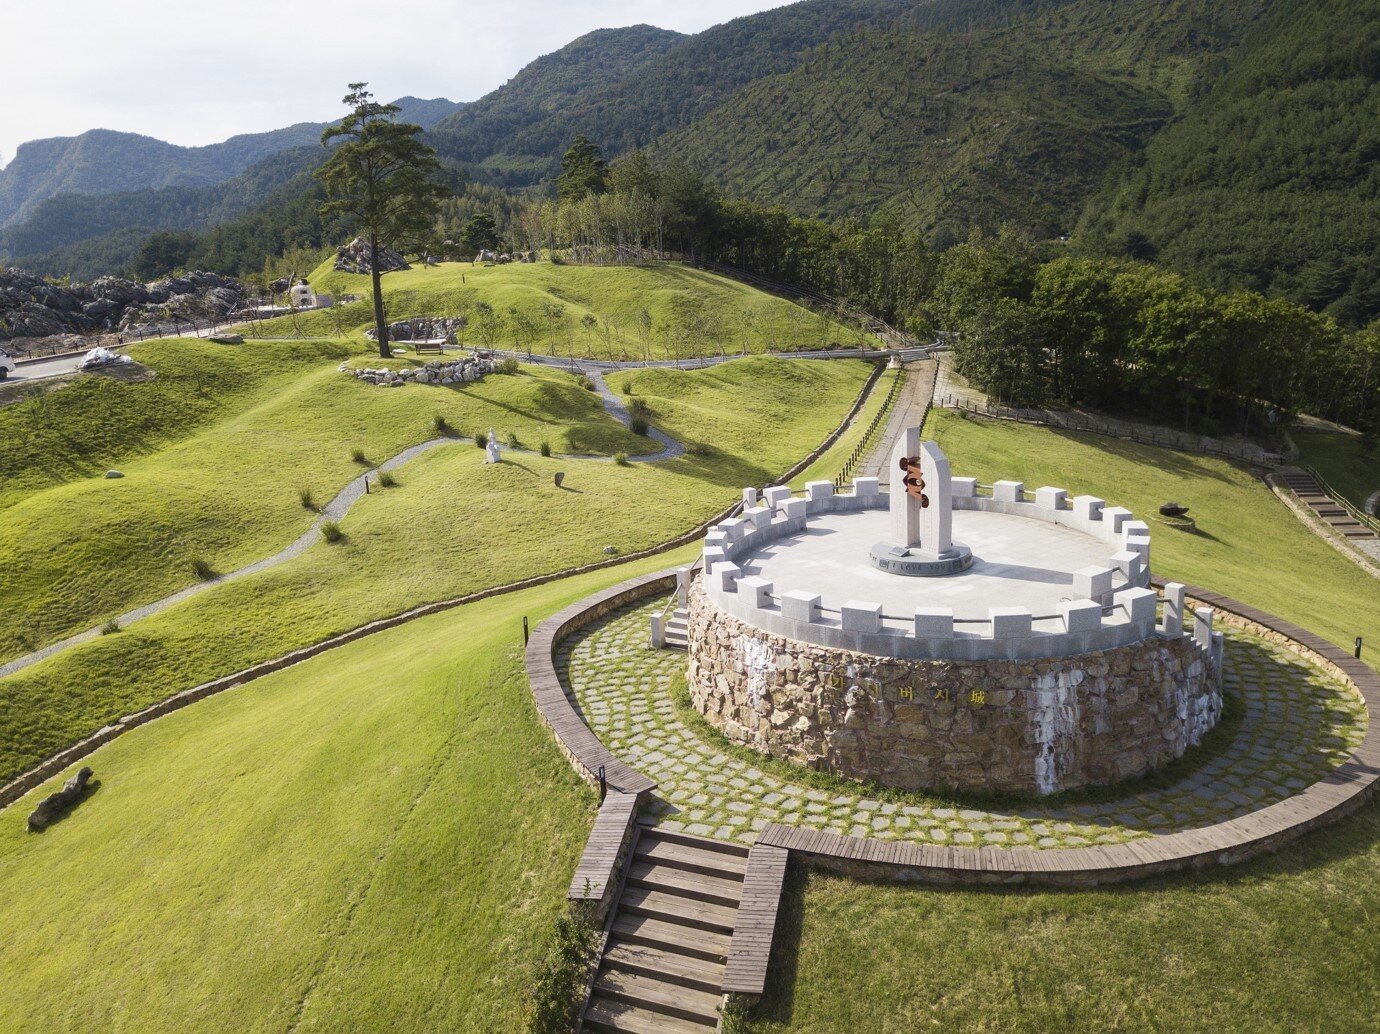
(691, 312)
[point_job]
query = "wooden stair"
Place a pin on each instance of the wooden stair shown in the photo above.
(662, 968)
(1328, 510)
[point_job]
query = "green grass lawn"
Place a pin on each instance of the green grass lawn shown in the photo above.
(377, 838)
(692, 312)
(452, 526)
(1349, 462)
(1282, 943)
(226, 490)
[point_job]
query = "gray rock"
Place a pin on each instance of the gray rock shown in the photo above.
(52, 806)
(113, 474)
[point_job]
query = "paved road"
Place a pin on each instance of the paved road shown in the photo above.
(41, 368)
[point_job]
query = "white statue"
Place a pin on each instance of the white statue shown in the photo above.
(492, 454)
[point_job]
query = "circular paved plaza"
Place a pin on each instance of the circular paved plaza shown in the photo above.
(1298, 723)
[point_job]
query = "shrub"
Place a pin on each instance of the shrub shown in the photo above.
(482, 439)
(442, 426)
(507, 366)
(639, 407)
(627, 388)
(546, 448)
(304, 494)
(387, 480)
(513, 442)
(558, 986)
(699, 449)
(202, 569)
(638, 426)
(358, 456)
(330, 531)
(621, 459)
(587, 384)
(110, 627)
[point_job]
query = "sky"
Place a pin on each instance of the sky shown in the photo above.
(193, 73)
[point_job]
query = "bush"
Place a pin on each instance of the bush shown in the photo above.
(330, 531)
(627, 388)
(442, 426)
(513, 442)
(507, 366)
(621, 459)
(639, 407)
(638, 426)
(558, 987)
(699, 449)
(587, 384)
(482, 439)
(358, 456)
(386, 480)
(546, 448)
(110, 627)
(202, 569)
(304, 494)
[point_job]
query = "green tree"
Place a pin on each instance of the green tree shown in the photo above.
(583, 171)
(382, 177)
(479, 234)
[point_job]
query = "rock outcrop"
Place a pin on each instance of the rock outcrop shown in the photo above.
(355, 257)
(457, 371)
(31, 307)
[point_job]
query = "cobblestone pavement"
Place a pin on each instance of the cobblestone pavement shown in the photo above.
(1298, 724)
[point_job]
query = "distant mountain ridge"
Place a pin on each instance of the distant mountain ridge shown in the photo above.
(104, 161)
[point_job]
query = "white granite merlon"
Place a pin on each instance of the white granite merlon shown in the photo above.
(860, 616)
(1051, 498)
(1215, 655)
(867, 488)
(1202, 628)
(717, 539)
(1129, 564)
(776, 495)
(755, 591)
(1132, 529)
(713, 555)
(1008, 491)
(1093, 583)
(817, 494)
(1139, 605)
(796, 511)
(1114, 518)
(749, 498)
(800, 606)
(759, 517)
(1088, 508)
(1139, 544)
(733, 528)
(1173, 609)
(938, 622)
(727, 575)
(965, 488)
(1081, 615)
(1010, 622)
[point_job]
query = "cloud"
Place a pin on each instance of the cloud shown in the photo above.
(194, 74)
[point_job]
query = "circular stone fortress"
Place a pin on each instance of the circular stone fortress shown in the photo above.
(933, 637)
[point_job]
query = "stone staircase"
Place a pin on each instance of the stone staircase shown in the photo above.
(662, 969)
(677, 635)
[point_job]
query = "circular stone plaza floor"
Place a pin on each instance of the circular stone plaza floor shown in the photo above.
(1017, 562)
(1298, 723)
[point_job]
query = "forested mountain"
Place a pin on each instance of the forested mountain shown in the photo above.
(670, 90)
(102, 161)
(1272, 178)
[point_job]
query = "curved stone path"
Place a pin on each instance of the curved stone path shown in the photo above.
(1299, 725)
(335, 510)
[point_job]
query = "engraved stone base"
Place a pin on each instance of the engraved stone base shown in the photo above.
(917, 562)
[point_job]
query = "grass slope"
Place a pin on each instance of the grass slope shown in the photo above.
(692, 312)
(1350, 463)
(377, 838)
(227, 492)
(451, 527)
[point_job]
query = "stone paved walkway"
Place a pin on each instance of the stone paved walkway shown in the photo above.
(1298, 725)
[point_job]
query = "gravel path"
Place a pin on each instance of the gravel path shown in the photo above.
(335, 510)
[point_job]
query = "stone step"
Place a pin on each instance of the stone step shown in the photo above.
(683, 940)
(661, 996)
(701, 974)
(674, 908)
(610, 1014)
(714, 889)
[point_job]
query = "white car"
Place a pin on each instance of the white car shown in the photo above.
(7, 366)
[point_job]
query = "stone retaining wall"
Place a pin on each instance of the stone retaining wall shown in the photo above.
(1022, 726)
(458, 371)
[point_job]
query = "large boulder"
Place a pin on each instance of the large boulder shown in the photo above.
(54, 805)
(356, 257)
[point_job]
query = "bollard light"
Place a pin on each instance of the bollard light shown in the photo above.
(524, 630)
(1358, 648)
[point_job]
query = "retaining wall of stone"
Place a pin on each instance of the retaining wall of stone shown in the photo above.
(1033, 726)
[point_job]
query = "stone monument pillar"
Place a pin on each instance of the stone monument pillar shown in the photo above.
(922, 513)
